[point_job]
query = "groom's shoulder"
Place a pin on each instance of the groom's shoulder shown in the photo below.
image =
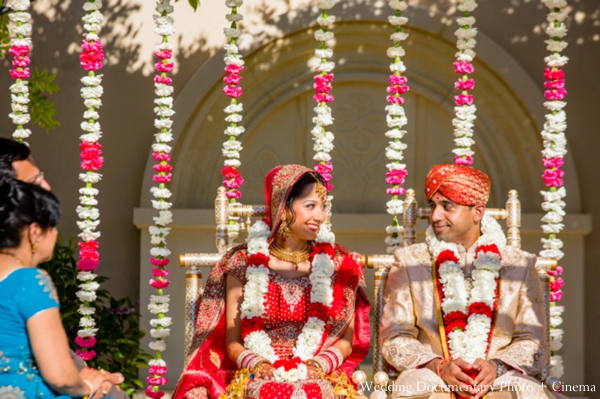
(412, 255)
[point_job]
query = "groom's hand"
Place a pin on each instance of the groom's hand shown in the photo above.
(486, 374)
(455, 375)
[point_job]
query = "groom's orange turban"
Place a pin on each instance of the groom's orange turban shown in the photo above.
(461, 184)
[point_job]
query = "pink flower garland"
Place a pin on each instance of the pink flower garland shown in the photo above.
(19, 31)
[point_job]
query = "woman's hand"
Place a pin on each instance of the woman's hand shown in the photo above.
(313, 372)
(101, 380)
(264, 371)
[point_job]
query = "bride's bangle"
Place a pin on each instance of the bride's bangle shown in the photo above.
(89, 384)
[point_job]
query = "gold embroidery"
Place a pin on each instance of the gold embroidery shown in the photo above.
(214, 358)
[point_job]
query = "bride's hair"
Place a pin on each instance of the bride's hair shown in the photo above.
(22, 204)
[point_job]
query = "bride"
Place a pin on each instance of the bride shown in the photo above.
(287, 311)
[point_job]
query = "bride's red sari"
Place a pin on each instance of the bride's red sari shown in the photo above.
(209, 370)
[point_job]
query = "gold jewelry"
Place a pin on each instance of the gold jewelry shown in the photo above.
(294, 257)
(19, 261)
(283, 230)
(33, 248)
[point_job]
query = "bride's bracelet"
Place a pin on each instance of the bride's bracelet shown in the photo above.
(249, 360)
(320, 364)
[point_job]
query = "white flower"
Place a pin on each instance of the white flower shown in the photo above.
(467, 5)
(85, 310)
(325, 4)
(92, 5)
(399, 36)
(323, 36)
(255, 290)
(164, 218)
(158, 345)
(85, 296)
(394, 52)
(160, 332)
(556, 47)
(86, 322)
(234, 130)
(326, 66)
(395, 133)
(465, 21)
(164, 252)
(309, 339)
(556, 31)
(325, 234)
(395, 207)
(234, 17)
(400, 5)
(93, 286)
(87, 332)
(232, 33)
(164, 322)
(397, 21)
(90, 177)
(556, 60)
(156, 308)
(398, 67)
(260, 343)
(234, 3)
(234, 59)
(233, 108)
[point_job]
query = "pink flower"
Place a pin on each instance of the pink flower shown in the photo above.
(397, 80)
(162, 67)
(19, 51)
(233, 79)
(231, 68)
(551, 74)
(86, 355)
(162, 178)
(553, 177)
(154, 394)
(232, 91)
(162, 79)
(464, 160)
(160, 273)
(396, 177)
(322, 88)
(157, 380)
(232, 193)
(92, 164)
(400, 89)
(19, 73)
(229, 172)
(91, 55)
(552, 163)
(90, 150)
(463, 67)
(162, 167)
(161, 156)
(233, 183)
(557, 284)
(322, 168)
(395, 100)
(157, 370)
(85, 342)
(555, 84)
(468, 84)
(164, 54)
(159, 262)
(396, 191)
(323, 98)
(324, 79)
(556, 296)
(21, 62)
(159, 284)
(328, 187)
(463, 99)
(88, 264)
(554, 95)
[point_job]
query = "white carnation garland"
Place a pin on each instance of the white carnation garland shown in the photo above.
(471, 343)
(254, 298)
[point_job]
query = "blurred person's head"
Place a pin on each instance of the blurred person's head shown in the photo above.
(28, 218)
(17, 162)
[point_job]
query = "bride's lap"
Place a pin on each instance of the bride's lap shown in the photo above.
(309, 389)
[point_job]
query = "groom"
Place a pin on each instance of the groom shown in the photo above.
(464, 311)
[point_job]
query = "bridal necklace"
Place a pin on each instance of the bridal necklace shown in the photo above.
(19, 261)
(294, 257)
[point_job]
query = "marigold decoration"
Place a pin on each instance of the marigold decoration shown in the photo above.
(323, 140)
(396, 120)
(465, 109)
(255, 338)
(91, 161)
(468, 312)
(234, 65)
(20, 44)
(555, 148)
(161, 152)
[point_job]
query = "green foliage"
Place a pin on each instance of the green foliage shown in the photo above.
(41, 85)
(118, 321)
(4, 39)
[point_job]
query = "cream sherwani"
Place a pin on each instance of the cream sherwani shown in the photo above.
(409, 331)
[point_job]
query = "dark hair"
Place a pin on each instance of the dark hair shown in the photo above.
(298, 188)
(22, 204)
(12, 151)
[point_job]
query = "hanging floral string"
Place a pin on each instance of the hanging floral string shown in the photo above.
(464, 109)
(323, 140)
(91, 161)
(234, 64)
(20, 44)
(396, 120)
(161, 152)
(555, 148)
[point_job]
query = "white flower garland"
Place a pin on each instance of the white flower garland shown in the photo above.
(471, 343)
(159, 304)
(555, 148)
(20, 43)
(255, 291)
(396, 120)
(91, 161)
(464, 109)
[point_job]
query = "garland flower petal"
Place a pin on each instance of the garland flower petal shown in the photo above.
(396, 120)
(19, 30)
(161, 152)
(555, 149)
(91, 58)
(464, 109)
